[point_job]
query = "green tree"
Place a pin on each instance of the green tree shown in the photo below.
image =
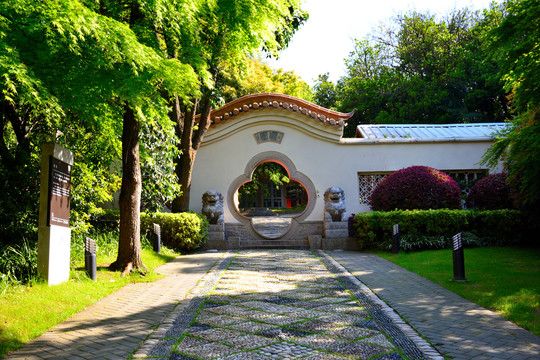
(419, 69)
(516, 45)
(264, 173)
(69, 70)
(147, 85)
(324, 92)
(258, 77)
(231, 31)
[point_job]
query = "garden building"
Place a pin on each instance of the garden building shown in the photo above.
(307, 141)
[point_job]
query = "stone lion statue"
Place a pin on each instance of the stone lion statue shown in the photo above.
(212, 202)
(334, 205)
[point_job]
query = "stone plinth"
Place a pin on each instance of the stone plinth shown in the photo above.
(336, 229)
(233, 242)
(315, 242)
(345, 243)
(54, 247)
(337, 236)
(216, 237)
(216, 232)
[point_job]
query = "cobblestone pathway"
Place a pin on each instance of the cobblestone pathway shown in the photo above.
(282, 304)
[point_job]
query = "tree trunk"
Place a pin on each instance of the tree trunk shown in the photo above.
(129, 247)
(183, 171)
(184, 130)
(190, 142)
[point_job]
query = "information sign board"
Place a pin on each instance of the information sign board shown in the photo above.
(59, 193)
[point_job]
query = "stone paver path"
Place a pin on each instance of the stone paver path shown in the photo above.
(458, 328)
(281, 304)
(116, 325)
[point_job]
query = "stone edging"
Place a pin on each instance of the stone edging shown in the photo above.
(403, 334)
(179, 319)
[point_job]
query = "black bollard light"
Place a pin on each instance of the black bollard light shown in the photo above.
(395, 239)
(157, 238)
(459, 259)
(90, 258)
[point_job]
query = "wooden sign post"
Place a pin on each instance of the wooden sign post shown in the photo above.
(54, 233)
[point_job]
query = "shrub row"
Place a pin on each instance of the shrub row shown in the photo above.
(491, 193)
(433, 229)
(416, 187)
(184, 232)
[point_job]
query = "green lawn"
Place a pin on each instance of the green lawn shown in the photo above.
(503, 279)
(291, 210)
(28, 311)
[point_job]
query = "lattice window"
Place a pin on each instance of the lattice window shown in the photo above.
(367, 182)
(466, 178)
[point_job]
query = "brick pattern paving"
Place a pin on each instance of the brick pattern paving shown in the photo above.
(458, 328)
(279, 304)
(283, 305)
(116, 325)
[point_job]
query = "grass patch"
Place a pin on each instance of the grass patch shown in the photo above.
(27, 311)
(291, 210)
(502, 279)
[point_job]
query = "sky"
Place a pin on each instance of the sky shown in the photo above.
(327, 38)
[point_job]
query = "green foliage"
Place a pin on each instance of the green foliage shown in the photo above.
(325, 92)
(106, 244)
(422, 69)
(184, 232)
(519, 148)
(67, 70)
(433, 229)
(515, 44)
(257, 77)
(181, 231)
(268, 171)
(17, 264)
(19, 200)
(158, 154)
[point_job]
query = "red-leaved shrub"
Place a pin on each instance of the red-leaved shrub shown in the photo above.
(490, 193)
(416, 187)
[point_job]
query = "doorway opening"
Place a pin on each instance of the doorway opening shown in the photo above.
(272, 199)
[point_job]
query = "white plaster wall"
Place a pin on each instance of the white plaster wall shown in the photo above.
(323, 159)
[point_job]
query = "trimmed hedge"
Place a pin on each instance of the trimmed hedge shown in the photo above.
(181, 231)
(416, 187)
(433, 229)
(184, 232)
(490, 193)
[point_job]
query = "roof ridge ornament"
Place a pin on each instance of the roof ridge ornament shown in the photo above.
(278, 101)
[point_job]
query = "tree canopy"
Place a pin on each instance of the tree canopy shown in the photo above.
(233, 32)
(257, 77)
(418, 68)
(70, 74)
(515, 43)
(102, 77)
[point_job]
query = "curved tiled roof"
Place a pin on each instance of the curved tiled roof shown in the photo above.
(257, 102)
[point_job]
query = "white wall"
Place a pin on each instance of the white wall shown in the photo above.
(317, 152)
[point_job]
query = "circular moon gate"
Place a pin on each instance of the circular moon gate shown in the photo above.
(294, 175)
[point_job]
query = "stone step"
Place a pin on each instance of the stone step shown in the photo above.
(274, 244)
